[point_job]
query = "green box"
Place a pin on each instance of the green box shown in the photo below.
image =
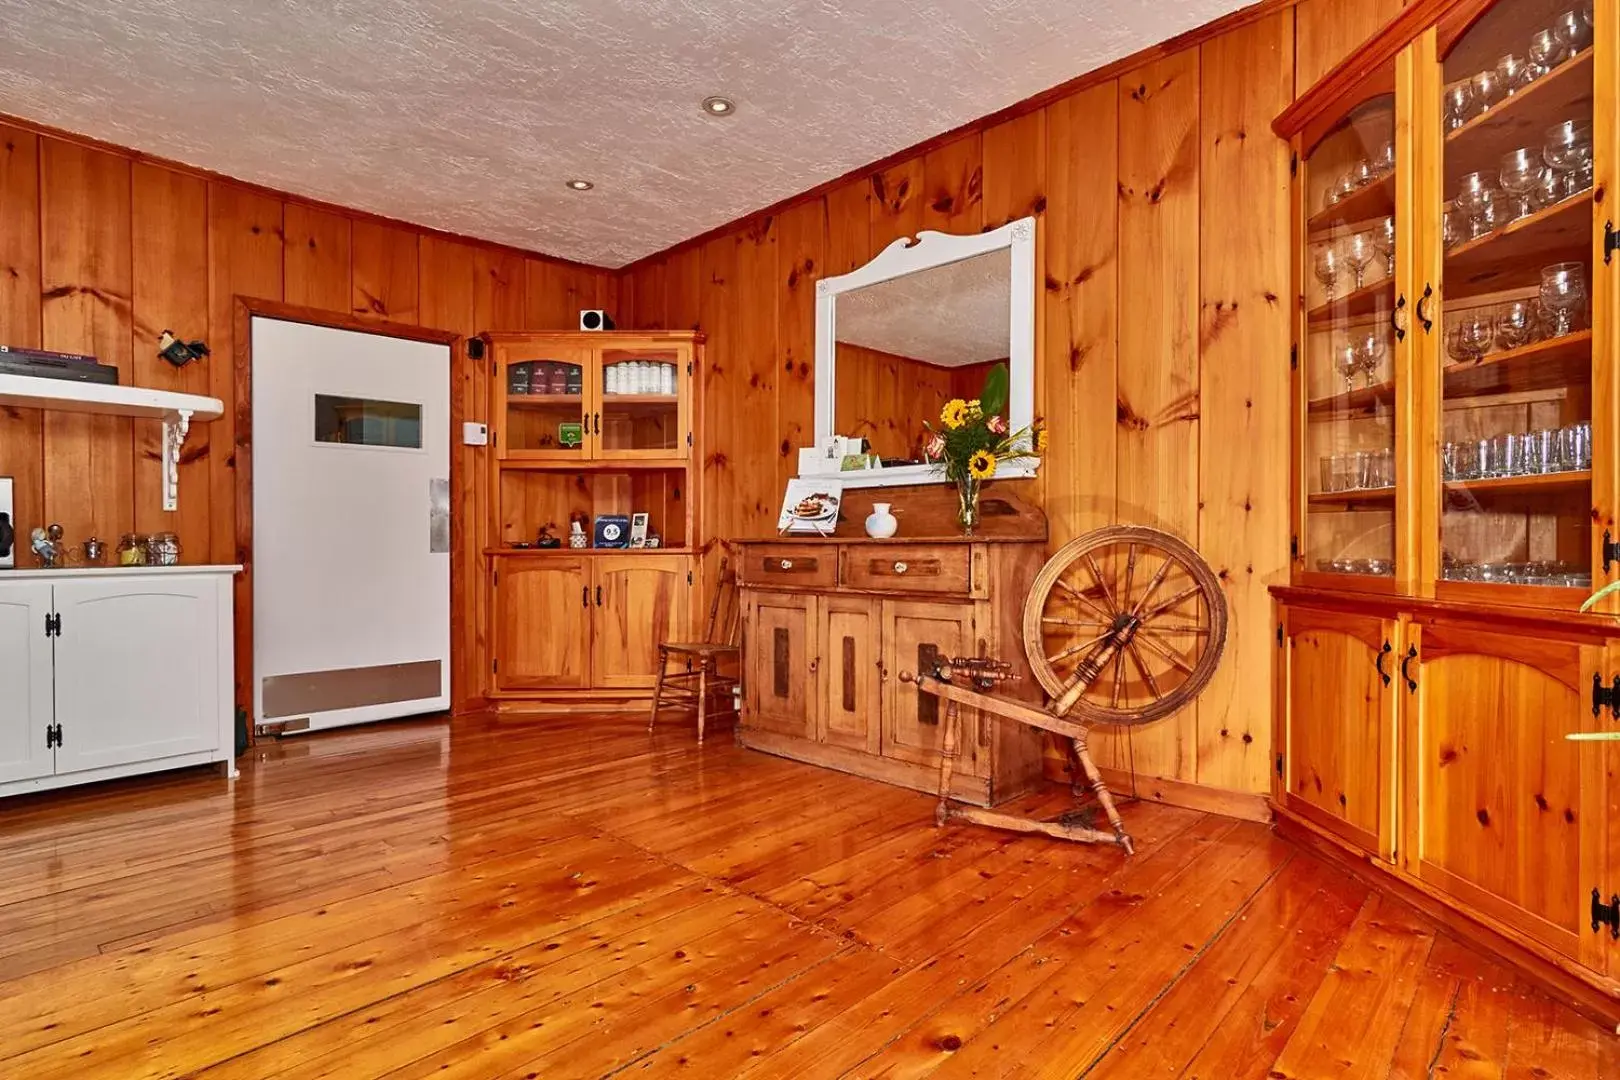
(572, 434)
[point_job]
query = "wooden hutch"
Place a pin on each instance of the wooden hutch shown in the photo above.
(598, 424)
(830, 623)
(1454, 481)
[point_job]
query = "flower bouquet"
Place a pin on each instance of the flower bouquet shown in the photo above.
(973, 439)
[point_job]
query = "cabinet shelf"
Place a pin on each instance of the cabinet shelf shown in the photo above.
(1513, 255)
(1368, 300)
(1360, 499)
(544, 401)
(1542, 365)
(565, 551)
(1376, 200)
(1520, 120)
(1547, 484)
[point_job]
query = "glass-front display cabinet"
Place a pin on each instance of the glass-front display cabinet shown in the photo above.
(1454, 384)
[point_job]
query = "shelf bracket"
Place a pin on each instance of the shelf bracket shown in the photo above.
(175, 428)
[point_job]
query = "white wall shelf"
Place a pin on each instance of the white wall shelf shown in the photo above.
(176, 411)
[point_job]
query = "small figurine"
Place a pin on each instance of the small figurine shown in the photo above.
(545, 539)
(47, 546)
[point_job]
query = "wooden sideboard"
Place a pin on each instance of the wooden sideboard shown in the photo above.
(830, 623)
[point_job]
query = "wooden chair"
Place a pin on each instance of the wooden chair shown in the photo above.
(702, 658)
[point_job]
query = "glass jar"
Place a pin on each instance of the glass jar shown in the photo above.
(132, 550)
(163, 549)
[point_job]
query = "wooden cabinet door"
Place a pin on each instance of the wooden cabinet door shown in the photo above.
(779, 677)
(539, 388)
(914, 633)
(851, 701)
(137, 670)
(1509, 814)
(1338, 753)
(542, 617)
(640, 601)
(25, 673)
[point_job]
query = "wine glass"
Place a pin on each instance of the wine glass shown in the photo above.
(1370, 346)
(1384, 158)
(1459, 102)
(1383, 240)
(1543, 52)
(1514, 72)
(1516, 324)
(1520, 173)
(1487, 88)
(1346, 361)
(1568, 150)
(1358, 254)
(1477, 201)
(1549, 187)
(1573, 33)
(1362, 172)
(1329, 266)
(1453, 226)
(1475, 333)
(1563, 295)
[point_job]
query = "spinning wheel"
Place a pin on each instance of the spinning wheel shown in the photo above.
(1124, 625)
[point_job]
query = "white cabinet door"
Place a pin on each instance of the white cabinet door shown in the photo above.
(25, 681)
(136, 671)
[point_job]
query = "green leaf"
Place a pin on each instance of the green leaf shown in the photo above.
(1611, 587)
(993, 398)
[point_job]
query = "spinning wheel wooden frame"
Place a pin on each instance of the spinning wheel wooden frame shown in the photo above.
(1114, 603)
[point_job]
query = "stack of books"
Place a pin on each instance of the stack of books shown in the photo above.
(42, 364)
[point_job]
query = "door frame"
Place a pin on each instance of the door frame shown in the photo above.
(246, 308)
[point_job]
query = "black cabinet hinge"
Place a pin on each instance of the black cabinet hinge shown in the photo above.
(1279, 765)
(495, 666)
(475, 348)
(1279, 635)
(1293, 357)
(689, 577)
(1611, 241)
(53, 736)
(496, 574)
(1606, 914)
(1293, 547)
(53, 625)
(688, 438)
(1606, 695)
(689, 367)
(1293, 164)
(1611, 551)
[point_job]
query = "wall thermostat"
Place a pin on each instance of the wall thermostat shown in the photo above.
(595, 320)
(474, 434)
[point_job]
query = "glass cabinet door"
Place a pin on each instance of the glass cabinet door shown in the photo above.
(641, 409)
(541, 405)
(1348, 345)
(1515, 354)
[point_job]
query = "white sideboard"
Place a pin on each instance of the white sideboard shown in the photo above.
(110, 672)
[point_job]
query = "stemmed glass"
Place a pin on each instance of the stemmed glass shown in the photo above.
(1383, 240)
(1475, 332)
(1543, 52)
(1573, 33)
(1521, 172)
(1514, 73)
(1384, 159)
(1362, 172)
(1516, 325)
(1329, 266)
(1568, 150)
(1346, 361)
(1359, 252)
(1487, 87)
(1477, 201)
(1459, 102)
(1563, 295)
(1370, 347)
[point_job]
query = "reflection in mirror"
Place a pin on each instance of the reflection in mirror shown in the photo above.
(908, 345)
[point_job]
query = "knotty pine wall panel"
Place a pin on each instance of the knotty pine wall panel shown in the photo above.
(1162, 338)
(21, 430)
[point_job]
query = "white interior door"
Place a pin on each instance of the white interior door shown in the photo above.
(351, 528)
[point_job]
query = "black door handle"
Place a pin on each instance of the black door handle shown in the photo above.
(599, 596)
(1423, 308)
(1397, 318)
(1378, 662)
(1411, 654)
(585, 596)
(596, 423)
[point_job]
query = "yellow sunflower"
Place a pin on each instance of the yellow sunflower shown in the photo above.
(954, 414)
(982, 465)
(1040, 441)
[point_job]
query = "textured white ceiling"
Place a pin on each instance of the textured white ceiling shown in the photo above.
(468, 115)
(949, 315)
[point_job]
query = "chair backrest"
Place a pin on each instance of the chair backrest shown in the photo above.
(724, 621)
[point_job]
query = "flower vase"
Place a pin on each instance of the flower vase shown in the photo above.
(967, 503)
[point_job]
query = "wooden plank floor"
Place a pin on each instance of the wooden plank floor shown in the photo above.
(571, 898)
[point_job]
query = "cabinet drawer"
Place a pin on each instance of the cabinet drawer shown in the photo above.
(900, 568)
(791, 565)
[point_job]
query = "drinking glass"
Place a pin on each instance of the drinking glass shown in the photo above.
(1328, 268)
(1573, 33)
(1453, 227)
(1516, 324)
(1528, 454)
(1451, 461)
(1543, 52)
(1563, 296)
(1475, 332)
(1575, 447)
(1384, 468)
(1362, 172)
(1505, 450)
(1487, 88)
(1549, 186)
(1568, 150)
(1477, 201)
(1358, 254)
(1328, 474)
(1370, 346)
(1514, 72)
(1384, 157)
(1383, 240)
(1346, 361)
(1458, 102)
(1520, 173)
(1543, 449)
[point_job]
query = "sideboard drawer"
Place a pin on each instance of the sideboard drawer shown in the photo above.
(924, 568)
(803, 566)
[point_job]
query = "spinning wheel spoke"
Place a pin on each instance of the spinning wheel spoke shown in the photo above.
(1170, 657)
(1119, 678)
(1130, 573)
(1147, 676)
(1061, 620)
(1174, 628)
(1096, 576)
(1084, 599)
(1191, 591)
(1153, 586)
(1073, 650)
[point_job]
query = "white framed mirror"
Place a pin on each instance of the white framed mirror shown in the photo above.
(918, 325)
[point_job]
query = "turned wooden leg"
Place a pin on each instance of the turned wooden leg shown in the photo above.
(947, 759)
(703, 696)
(658, 688)
(1104, 796)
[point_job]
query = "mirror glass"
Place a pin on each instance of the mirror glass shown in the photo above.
(908, 345)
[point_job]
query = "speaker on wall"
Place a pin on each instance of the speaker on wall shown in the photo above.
(595, 320)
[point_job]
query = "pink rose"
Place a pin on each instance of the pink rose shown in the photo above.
(997, 425)
(935, 448)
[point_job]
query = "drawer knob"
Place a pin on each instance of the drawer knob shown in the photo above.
(900, 567)
(786, 564)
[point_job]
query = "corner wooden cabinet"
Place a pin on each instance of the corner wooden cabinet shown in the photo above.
(829, 625)
(594, 424)
(1455, 413)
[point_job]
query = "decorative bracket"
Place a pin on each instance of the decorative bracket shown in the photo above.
(175, 428)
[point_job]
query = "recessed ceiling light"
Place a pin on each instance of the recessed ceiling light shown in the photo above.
(578, 185)
(719, 106)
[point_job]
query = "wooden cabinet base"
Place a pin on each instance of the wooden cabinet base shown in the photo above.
(969, 789)
(1589, 992)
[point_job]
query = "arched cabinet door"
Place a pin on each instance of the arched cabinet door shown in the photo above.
(1506, 814)
(1336, 766)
